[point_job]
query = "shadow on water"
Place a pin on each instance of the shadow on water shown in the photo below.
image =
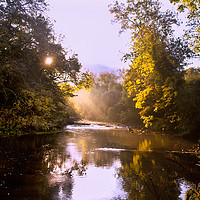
(96, 163)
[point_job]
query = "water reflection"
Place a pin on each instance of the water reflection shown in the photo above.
(95, 164)
(156, 175)
(148, 177)
(29, 165)
(145, 145)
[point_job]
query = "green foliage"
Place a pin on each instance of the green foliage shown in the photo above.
(32, 93)
(107, 100)
(155, 78)
(189, 103)
(143, 16)
(151, 63)
(29, 111)
(85, 80)
(109, 96)
(130, 114)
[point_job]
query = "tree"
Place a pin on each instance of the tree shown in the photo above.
(103, 101)
(32, 94)
(189, 103)
(155, 75)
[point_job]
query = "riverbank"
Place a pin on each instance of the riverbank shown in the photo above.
(18, 133)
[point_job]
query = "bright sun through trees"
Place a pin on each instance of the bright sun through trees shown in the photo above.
(48, 60)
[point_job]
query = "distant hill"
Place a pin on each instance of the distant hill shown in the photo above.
(98, 68)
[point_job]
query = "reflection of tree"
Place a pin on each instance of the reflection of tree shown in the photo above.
(37, 166)
(186, 165)
(43, 166)
(104, 158)
(102, 139)
(151, 175)
(147, 177)
(145, 145)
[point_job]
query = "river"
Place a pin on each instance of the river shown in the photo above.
(92, 161)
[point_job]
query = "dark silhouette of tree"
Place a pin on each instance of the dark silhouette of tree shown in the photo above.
(32, 92)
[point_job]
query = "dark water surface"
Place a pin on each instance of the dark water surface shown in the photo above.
(96, 162)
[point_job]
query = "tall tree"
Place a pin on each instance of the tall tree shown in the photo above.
(154, 77)
(32, 92)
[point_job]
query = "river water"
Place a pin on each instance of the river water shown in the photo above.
(96, 162)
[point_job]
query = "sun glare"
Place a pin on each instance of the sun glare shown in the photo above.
(48, 60)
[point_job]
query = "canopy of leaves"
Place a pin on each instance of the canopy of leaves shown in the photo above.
(31, 92)
(155, 77)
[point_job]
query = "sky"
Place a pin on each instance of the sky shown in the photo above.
(89, 31)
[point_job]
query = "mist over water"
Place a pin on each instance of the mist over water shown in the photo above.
(105, 101)
(86, 108)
